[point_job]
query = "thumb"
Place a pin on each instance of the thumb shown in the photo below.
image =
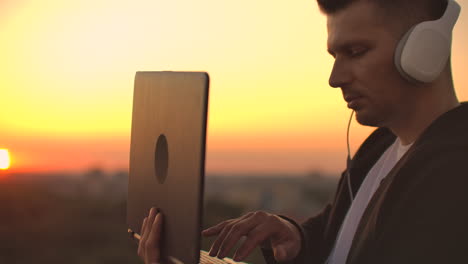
(280, 253)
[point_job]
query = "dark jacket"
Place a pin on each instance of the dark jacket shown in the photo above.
(419, 214)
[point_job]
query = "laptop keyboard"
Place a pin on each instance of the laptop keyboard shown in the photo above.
(205, 258)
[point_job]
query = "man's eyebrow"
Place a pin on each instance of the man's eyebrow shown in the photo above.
(345, 46)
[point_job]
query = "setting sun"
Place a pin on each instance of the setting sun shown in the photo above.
(4, 159)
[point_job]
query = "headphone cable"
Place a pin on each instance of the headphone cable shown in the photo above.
(348, 160)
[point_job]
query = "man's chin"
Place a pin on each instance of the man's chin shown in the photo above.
(367, 119)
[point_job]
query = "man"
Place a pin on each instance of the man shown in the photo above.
(404, 198)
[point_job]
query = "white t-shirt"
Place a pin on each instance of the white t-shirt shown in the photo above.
(368, 187)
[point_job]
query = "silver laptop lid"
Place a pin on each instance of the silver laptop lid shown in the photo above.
(167, 157)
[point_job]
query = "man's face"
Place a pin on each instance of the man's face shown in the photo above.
(363, 47)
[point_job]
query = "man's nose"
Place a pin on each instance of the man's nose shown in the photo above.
(340, 75)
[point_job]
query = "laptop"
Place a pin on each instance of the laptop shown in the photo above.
(167, 160)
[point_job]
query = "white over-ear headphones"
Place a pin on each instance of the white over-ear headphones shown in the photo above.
(423, 51)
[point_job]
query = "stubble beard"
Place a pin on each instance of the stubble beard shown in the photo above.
(368, 117)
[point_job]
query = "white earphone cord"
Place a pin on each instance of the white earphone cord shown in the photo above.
(348, 164)
(348, 161)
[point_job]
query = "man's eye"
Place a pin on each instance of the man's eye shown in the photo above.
(357, 52)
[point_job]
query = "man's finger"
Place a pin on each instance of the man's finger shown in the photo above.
(237, 231)
(148, 226)
(285, 251)
(254, 238)
(140, 251)
(280, 253)
(153, 254)
(214, 230)
(157, 227)
(143, 226)
(215, 246)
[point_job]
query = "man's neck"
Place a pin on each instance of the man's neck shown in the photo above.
(412, 123)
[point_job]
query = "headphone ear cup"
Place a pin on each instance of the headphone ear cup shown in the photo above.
(424, 52)
(398, 52)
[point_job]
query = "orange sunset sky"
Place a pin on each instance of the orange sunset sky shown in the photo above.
(67, 70)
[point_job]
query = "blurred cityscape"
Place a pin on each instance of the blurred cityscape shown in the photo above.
(81, 218)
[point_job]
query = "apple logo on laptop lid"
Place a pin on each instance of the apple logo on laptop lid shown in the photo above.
(161, 159)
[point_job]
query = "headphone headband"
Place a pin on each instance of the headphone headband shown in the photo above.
(450, 16)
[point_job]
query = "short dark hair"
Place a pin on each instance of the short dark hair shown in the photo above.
(407, 11)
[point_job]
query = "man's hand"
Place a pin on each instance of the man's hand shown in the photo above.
(149, 245)
(259, 228)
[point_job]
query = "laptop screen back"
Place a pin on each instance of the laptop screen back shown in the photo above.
(167, 157)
